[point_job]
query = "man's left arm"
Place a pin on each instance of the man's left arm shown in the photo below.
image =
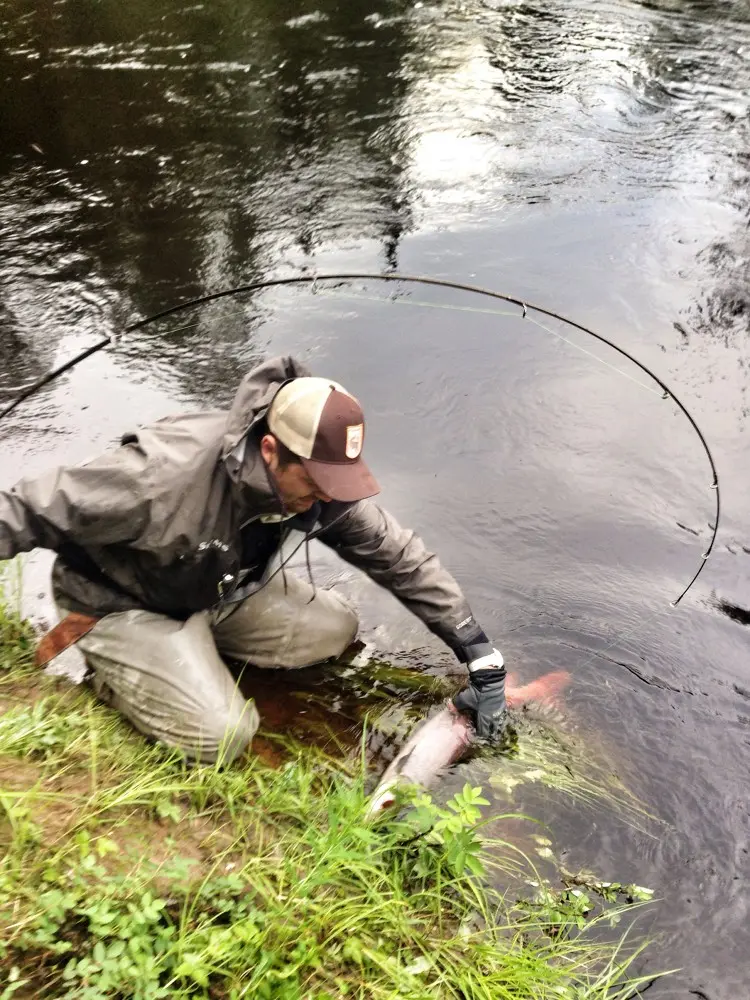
(371, 539)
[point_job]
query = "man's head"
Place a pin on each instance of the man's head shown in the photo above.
(313, 448)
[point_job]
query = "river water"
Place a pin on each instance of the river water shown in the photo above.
(591, 157)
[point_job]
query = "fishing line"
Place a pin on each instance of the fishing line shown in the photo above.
(312, 280)
(493, 312)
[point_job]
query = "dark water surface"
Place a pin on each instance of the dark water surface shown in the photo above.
(592, 157)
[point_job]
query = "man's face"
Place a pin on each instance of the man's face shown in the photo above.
(295, 487)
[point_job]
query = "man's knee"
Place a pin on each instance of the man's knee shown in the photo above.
(343, 624)
(167, 678)
(330, 625)
(205, 725)
(225, 734)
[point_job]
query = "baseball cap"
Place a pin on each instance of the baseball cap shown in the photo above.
(324, 426)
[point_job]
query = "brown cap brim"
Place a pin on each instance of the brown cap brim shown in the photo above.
(345, 481)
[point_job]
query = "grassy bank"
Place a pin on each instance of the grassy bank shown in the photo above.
(126, 874)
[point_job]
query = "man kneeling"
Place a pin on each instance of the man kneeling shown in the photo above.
(166, 564)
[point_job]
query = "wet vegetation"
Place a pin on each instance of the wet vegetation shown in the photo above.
(127, 873)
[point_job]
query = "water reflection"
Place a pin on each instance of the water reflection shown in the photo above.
(147, 156)
(701, 64)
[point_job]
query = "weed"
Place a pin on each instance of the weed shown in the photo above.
(39, 729)
(128, 873)
(16, 643)
(558, 761)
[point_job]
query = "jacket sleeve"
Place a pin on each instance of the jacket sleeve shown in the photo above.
(98, 503)
(371, 539)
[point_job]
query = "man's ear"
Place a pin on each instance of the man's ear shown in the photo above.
(268, 448)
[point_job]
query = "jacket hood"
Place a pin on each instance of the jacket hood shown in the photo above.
(254, 395)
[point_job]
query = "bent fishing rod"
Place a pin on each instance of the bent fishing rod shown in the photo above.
(313, 280)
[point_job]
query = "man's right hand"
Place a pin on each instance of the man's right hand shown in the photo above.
(484, 697)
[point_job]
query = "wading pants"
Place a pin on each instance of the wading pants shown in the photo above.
(168, 676)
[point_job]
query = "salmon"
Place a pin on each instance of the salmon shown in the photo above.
(443, 739)
(433, 746)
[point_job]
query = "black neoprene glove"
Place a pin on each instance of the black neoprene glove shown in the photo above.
(484, 697)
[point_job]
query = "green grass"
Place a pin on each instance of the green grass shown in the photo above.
(126, 873)
(16, 636)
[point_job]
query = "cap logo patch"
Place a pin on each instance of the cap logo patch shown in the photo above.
(354, 435)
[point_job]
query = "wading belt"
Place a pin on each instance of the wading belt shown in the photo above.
(67, 632)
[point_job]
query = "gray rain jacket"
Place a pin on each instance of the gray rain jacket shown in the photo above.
(170, 521)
